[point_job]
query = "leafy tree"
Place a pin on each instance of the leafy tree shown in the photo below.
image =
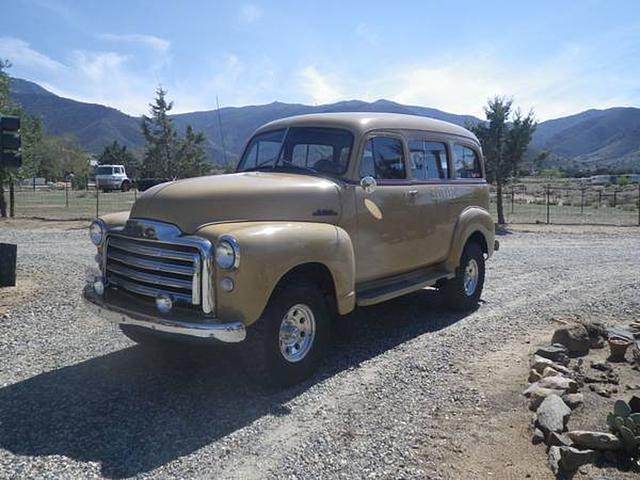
(32, 136)
(505, 137)
(166, 155)
(61, 156)
(117, 154)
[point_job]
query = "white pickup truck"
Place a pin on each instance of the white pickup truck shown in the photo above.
(112, 177)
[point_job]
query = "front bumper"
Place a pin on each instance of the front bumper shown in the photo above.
(232, 332)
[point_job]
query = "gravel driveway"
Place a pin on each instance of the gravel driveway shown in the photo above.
(408, 390)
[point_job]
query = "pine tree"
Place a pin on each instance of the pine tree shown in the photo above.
(116, 154)
(504, 141)
(167, 155)
(161, 137)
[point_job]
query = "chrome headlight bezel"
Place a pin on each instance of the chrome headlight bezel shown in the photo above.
(97, 232)
(227, 253)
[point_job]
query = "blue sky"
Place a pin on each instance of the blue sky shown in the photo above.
(557, 57)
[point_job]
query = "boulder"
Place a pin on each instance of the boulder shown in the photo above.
(550, 372)
(552, 415)
(534, 376)
(597, 331)
(595, 440)
(572, 458)
(559, 382)
(538, 437)
(573, 400)
(538, 395)
(575, 338)
(539, 363)
(555, 352)
(554, 459)
(559, 440)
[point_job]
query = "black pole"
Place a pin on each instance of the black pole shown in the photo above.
(512, 199)
(12, 200)
(582, 201)
(548, 199)
(66, 193)
(97, 201)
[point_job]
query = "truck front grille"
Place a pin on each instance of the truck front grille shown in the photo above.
(151, 268)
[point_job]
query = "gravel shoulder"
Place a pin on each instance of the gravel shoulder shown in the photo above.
(408, 389)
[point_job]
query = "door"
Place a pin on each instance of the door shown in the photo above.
(388, 238)
(429, 162)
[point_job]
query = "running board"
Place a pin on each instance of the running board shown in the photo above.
(381, 290)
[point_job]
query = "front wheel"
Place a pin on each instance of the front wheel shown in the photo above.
(462, 293)
(285, 346)
(126, 186)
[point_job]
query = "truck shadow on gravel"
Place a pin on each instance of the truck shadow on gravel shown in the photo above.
(133, 411)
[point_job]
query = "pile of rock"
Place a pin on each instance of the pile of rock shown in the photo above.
(555, 378)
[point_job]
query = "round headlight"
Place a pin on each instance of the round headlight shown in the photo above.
(96, 232)
(227, 253)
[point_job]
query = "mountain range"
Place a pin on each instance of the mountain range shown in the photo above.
(589, 140)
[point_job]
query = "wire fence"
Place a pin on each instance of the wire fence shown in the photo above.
(522, 203)
(587, 205)
(60, 202)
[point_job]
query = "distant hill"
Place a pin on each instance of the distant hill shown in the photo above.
(591, 139)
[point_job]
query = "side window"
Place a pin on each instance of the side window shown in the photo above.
(466, 162)
(428, 160)
(383, 158)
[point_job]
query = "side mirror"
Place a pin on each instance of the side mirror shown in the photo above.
(368, 183)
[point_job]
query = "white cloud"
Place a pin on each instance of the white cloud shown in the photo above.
(250, 13)
(150, 41)
(319, 87)
(21, 54)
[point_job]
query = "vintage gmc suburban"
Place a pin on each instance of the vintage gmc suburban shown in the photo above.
(325, 212)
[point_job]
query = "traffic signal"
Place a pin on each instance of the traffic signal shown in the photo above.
(10, 142)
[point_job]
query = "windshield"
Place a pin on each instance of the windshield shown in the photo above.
(310, 149)
(104, 171)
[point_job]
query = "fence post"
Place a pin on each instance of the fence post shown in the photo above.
(548, 201)
(512, 198)
(12, 200)
(66, 193)
(615, 193)
(582, 201)
(97, 201)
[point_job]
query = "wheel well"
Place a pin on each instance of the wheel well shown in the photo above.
(477, 237)
(314, 273)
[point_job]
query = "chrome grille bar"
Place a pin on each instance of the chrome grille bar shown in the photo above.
(147, 264)
(149, 278)
(146, 291)
(132, 246)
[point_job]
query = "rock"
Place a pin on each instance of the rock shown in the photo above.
(538, 437)
(595, 440)
(554, 459)
(573, 400)
(602, 366)
(620, 332)
(559, 440)
(600, 390)
(559, 382)
(550, 372)
(634, 403)
(539, 394)
(556, 353)
(597, 331)
(575, 338)
(539, 363)
(571, 458)
(534, 376)
(552, 414)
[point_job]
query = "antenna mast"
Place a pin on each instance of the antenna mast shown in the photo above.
(224, 148)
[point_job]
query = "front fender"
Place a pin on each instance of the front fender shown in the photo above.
(471, 220)
(268, 250)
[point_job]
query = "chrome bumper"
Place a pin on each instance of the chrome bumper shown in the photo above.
(232, 332)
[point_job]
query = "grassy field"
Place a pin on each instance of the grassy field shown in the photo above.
(61, 205)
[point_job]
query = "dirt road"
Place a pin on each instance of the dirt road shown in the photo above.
(408, 390)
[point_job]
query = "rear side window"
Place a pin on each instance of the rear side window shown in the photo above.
(466, 162)
(428, 160)
(383, 158)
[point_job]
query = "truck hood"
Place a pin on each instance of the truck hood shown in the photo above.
(251, 196)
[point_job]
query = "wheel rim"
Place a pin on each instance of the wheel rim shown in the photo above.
(471, 273)
(297, 333)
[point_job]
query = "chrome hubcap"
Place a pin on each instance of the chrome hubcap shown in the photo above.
(297, 332)
(471, 277)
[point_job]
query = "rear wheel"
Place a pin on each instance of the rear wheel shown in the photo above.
(126, 186)
(463, 292)
(285, 346)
